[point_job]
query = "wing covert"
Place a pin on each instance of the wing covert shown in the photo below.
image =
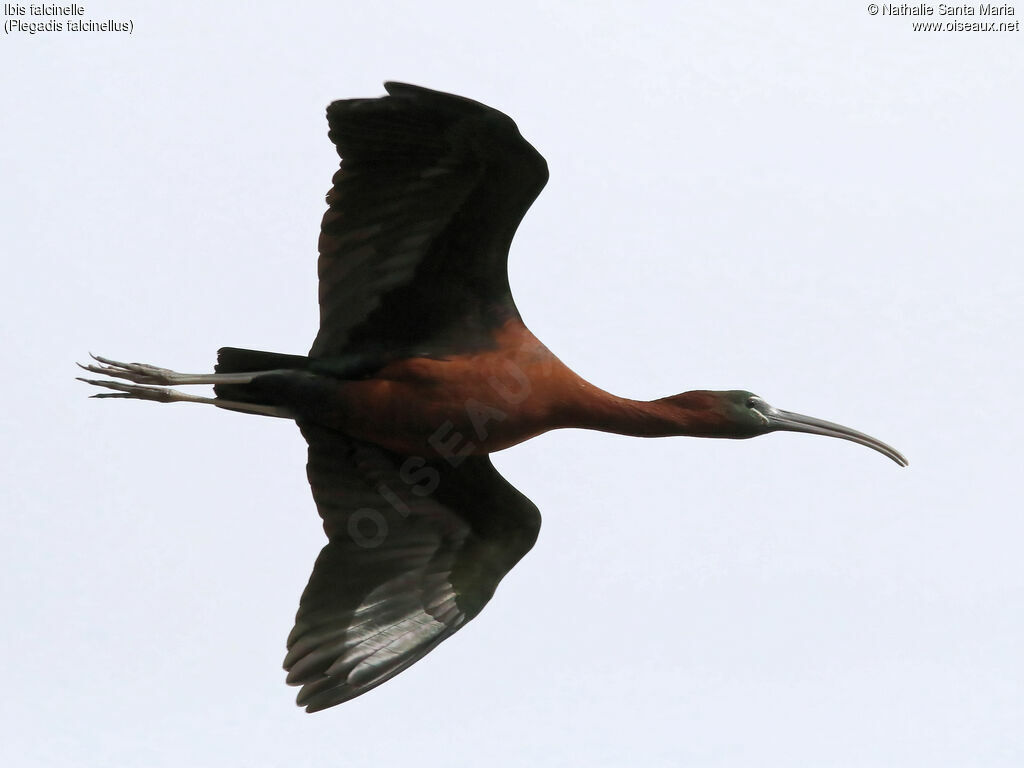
(414, 244)
(415, 550)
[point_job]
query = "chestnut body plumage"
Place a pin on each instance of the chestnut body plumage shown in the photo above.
(422, 366)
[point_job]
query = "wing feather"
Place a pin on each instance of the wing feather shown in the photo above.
(414, 244)
(382, 596)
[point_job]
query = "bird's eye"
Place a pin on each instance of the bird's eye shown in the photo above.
(752, 401)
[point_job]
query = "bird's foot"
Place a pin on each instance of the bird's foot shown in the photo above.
(141, 391)
(152, 383)
(140, 373)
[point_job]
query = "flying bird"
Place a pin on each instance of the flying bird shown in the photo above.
(421, 368)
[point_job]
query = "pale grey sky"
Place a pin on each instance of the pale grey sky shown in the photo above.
(816, 204)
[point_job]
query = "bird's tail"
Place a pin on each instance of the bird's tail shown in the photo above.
(235, 360)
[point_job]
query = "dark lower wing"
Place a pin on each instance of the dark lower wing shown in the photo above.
(416, 549)
(414, 246)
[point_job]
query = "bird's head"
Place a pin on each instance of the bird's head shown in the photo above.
(744, 414)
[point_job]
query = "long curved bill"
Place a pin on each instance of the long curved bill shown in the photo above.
(785, 421)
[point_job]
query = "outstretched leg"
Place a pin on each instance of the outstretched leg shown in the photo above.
(141, 373)
(146, 375)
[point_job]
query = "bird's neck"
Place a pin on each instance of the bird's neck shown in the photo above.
(697, 414)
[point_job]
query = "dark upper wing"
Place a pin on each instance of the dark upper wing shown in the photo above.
(414, 245)
(416, 549)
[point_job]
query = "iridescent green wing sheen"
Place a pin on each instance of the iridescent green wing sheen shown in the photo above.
(415, 550)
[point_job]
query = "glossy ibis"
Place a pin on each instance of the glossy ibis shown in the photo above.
(422, 367)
